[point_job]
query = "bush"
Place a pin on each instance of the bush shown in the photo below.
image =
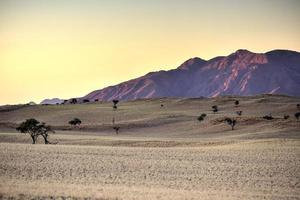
(75, 122)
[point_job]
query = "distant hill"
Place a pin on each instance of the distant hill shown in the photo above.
(240, 73)
(52, 101)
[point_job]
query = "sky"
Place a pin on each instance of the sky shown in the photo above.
(68, 48)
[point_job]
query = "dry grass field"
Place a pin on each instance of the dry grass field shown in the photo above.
(160, 152)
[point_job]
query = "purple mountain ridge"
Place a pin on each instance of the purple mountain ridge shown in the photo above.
(240, 73)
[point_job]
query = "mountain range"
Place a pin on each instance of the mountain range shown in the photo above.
(240, 73)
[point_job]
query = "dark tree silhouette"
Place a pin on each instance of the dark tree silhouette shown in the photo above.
(86, 101)
(268, 117)
(44, 131)
(161, 105)
(35, 128)
(115, 102)
(237, 102)
(201, 117)
(297, 115)
(73, 101)
(215, 109)
(116, 128)
(239, 113)
(96, 100)
(286, 116)
(75, 122)
(298, 106)
(231, 122)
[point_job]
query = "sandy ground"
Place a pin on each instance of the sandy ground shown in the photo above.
(159, 154)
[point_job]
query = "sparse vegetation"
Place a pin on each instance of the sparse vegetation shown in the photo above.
(116, 128)
(35, 128)
(237, 102)
(239, 113)
(215, 108)
(73, 101)
(201, 117)
(75, 122)
(297, 115)
(231, 122)
(268, 117)
(115, 102)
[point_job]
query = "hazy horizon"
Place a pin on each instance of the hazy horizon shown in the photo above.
(68, 48)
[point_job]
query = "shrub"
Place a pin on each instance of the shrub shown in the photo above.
(75, 122)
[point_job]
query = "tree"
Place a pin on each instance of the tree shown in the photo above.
(239, 113)
(75, 122)
(35, 128)
(231, 122)
(86, 101)
(161, 105)
(298, 106)
(44, 131)
(73, 101)
(201, 117)
(237, 102)
(286, 116)
(215, 108)
(297, 115)
(96, 100)
(115, 102)
(116, 128)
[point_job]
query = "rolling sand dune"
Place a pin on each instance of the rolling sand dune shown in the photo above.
(160, 153)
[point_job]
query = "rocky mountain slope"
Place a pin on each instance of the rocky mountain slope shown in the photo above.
(240, 73)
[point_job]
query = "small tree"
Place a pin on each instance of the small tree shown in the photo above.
(116, 128)
(286, 117)
(297, 115)
(161, 105)
(86, 101)
(73, 101)
(231, 122)
(201, 117)
(239, 113)
(96, 100)
(237, 102)
(35, 128)
(215, 108)
(115, 102)
(298, 106)
(75, 122)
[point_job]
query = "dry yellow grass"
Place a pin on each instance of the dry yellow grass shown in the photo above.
(160, 153)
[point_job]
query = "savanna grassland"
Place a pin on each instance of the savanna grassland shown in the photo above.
(159, 153)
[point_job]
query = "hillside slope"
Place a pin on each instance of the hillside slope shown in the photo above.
(240, 73)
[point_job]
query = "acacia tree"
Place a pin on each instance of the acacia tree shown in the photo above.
(35, 128)
(75, 122)
(215, 108)
(115, 102)
(237, 102)
(201, 117)
(231, 122)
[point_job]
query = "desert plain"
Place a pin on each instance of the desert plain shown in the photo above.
(161, 152)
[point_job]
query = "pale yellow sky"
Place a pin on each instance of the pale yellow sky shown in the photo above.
(69, 48)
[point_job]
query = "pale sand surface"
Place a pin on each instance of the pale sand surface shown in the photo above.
(166, 154)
